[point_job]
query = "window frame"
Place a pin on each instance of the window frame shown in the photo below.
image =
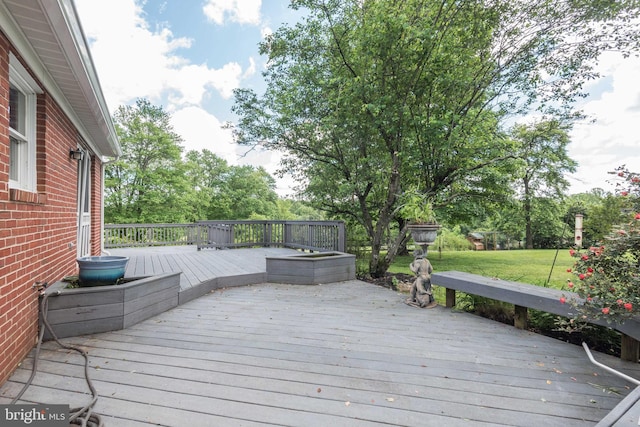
(25, 178)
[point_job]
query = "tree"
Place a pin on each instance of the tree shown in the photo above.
(601, 211)
(208, 173)
(250, 193)
(549, 231)
(147, 184)
(541, 149)
(230, 192)
(367, 99)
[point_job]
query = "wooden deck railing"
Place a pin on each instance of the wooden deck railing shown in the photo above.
(137, 235)
(310, 235)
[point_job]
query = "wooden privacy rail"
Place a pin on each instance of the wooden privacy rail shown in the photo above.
(524, 296)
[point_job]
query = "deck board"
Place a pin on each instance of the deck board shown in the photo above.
(340, 354)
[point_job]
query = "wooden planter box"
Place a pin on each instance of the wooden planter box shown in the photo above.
(81, 311)
(311, 269)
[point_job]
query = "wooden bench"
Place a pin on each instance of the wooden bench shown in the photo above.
(626, 413)
(524, 296)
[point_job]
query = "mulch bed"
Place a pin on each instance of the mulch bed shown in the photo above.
(391, 280)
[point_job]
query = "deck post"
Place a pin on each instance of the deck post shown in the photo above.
(630, 349)
(451, 298)
(520, 317)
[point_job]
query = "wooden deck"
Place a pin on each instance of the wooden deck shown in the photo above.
(197, 267)
(339, 354)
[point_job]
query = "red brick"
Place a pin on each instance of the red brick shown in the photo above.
(36, 227)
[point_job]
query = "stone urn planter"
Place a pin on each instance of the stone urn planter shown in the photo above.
(424, 234)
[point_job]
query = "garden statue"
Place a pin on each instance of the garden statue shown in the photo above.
(421, 295)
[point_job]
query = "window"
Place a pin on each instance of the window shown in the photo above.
(22, 127)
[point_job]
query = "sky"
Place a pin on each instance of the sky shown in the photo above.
(188, 55)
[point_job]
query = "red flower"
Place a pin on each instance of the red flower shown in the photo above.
(624, 193)
(620, 173)
(572, 252)
(582, 276)
(620, 302)
(569, 270)
(589, 270)
(570, 285)
(563, 300)
(628, 306)
(605, 310)
(635, 179)
(637, 216)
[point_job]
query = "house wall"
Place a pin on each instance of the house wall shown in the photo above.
(38, 231)
(96, 206)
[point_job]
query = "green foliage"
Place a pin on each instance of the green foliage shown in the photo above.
(152, 183)
(607, 277)
(600, 218)
(542, 161)
(147, 183)
(367, 99)
(451, 239)
(416, 207)
(207, 174)
(547, 228)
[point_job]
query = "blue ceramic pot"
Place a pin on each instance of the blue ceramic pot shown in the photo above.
(101, 270)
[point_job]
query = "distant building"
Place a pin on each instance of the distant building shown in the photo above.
(477, 240)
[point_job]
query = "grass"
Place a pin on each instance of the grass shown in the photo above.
(525, 266)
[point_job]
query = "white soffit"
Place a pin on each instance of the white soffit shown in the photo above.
(49, 37)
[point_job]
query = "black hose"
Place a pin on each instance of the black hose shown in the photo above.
(82, 416)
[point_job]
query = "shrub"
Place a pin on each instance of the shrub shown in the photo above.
(607, 276)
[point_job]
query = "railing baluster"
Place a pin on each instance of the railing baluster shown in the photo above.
(310, 235)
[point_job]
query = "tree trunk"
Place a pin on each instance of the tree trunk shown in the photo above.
(402, 248)
(378, 265)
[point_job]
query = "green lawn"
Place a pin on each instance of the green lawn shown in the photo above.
(526, 266)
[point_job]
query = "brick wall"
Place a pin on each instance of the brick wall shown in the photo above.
(38, 231)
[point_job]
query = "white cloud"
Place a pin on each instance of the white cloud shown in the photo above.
(200, 129)
(135, 62)
(265, 31)
(240, 11)
(251, 70)
(132, 61)
(613, 138)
